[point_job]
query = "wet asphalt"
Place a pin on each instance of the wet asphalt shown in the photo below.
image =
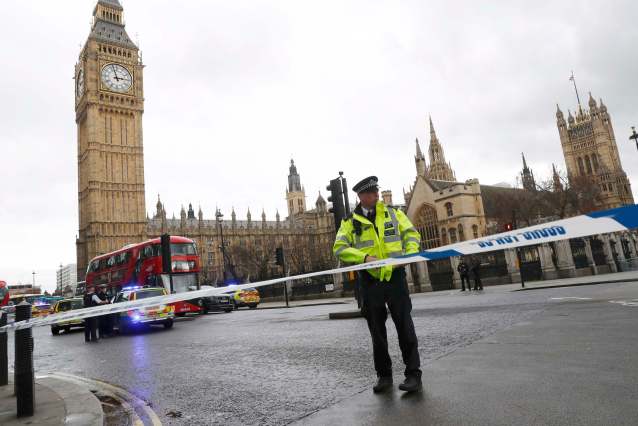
(278, 366)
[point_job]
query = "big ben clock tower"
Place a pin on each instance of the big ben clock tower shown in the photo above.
(109, 103)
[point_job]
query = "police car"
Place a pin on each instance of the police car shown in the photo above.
(64, 306)
(245, 297)
(140, 317)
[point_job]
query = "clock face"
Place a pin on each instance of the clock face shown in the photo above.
(79, 84)
(116, 78)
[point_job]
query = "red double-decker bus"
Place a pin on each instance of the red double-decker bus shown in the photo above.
(141, 265)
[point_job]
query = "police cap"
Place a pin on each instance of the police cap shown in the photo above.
(369, 184)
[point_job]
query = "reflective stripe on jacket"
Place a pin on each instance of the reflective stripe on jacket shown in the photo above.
(394, 236)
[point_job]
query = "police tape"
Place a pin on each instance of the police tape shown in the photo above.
(607, 221)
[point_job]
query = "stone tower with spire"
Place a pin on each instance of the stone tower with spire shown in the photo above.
(295, 193)
(590, 151)
(527, 176)
(419, 160)
(557, 184)
(109, 103)
(438, 169)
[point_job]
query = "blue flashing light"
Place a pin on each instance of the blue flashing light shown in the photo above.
(131, 287)
(136, 318)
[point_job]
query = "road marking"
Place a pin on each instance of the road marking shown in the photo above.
(632, 302)
(570, 298)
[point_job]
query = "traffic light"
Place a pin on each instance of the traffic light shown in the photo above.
(279, 256)
(165, 244)
(338, 208)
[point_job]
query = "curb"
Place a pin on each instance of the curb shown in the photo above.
(345, 315)
(305, 305)
(138, 411)
(574, 285)
(81, 406)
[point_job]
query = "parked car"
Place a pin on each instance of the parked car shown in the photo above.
(246, 297)
(220, 302)
(137, 318)
(40, 309)
(64, 306)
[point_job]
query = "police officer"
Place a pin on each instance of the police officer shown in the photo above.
(104, 321)
(90, 324)
(376, 231)
(476, 271)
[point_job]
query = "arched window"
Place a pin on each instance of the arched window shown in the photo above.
(594, 160)
(461, 232)
(449, 210)
(444, 236)
(475, 231)
(452, 235)
(581, 167)
(426, 221)
(588, 164)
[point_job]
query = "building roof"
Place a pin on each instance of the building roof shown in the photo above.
(492, 196)
(111, 33)
(439, 185)
(112, 3)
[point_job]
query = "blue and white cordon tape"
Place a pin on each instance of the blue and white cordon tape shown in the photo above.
(602, 222)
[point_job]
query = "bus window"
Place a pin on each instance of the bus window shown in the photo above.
(147, 252)
(110, 262)
(183, 248)
(123, 258)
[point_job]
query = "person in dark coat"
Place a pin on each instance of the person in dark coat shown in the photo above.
(90, 324)
(476, 272)
(104, 321)
(464, 271)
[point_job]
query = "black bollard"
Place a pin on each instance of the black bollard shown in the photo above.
(24, 376)
(4, 355)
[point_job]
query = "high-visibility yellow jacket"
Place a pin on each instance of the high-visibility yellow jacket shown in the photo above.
(394, 236)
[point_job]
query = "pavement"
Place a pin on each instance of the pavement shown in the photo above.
(574, 365)
(559, 355)
(616, 277)
(58, 402)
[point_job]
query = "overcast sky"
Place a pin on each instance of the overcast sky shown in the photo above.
(235, 89)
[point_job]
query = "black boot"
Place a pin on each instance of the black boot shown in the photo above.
(411, 384)
(383, 384)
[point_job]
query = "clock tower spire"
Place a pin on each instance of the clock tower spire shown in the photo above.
(109, 104)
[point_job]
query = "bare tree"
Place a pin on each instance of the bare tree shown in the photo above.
(575, 195)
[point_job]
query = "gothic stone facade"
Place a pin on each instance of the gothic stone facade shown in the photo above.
(589, 147)
(306, 238)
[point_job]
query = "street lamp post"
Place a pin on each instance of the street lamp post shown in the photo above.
(219, 216)
(634, 136)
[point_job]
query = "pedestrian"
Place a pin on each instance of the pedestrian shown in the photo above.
(104, 321)
(376, 231)
(90, 324)
(476, 272)
(464, 271)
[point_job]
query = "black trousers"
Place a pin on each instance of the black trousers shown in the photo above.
(90, 329)
(375, 296)
(465, 278)
(478, 285)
